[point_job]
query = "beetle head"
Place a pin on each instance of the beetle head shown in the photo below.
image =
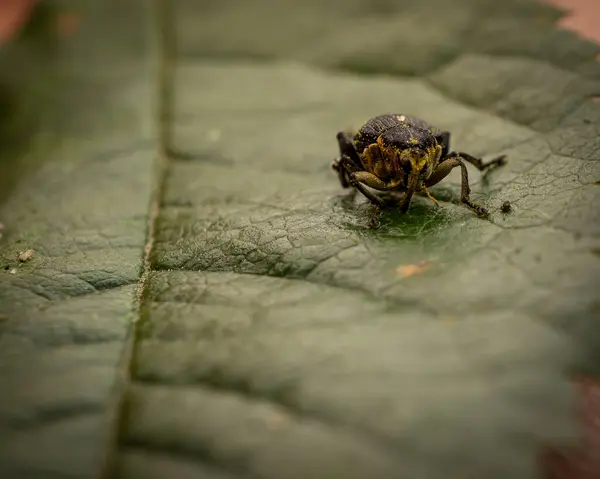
(417, 158)
(420, 162)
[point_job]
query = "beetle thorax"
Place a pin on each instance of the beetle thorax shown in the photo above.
(404, 137)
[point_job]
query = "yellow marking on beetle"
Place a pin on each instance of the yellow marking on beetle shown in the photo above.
(387, 151)
(413, 140)
(401, 118)
(418, 162)
(395, 183)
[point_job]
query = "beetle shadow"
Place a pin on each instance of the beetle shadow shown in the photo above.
(423, 217)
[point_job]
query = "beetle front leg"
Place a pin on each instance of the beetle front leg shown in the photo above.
(372, 197)
(444, 169)
(353, 176)
(372, 181)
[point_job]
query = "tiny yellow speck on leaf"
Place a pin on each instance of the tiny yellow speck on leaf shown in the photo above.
(449, 321)
(67, 23)
(408, 270)
(277, 422)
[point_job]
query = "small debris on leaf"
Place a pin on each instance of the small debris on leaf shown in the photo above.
(408, 270)
(277, 422)
(506, 207)
(450, 321)
(25, 255)
(213, 135)
(67, 23)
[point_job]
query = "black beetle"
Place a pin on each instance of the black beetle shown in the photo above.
(395, 152)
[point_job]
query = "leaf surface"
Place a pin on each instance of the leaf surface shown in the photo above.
(277, 336)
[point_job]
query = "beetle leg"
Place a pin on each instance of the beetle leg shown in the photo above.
(478, 162)
(346, 165)
(411, 187)
(348, 149)
(375, 222)
(372, 181)
(444, 169)
(372, 197)
(342, 175)
(443, 139)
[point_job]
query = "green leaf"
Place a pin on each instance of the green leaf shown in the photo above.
(275, 334)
